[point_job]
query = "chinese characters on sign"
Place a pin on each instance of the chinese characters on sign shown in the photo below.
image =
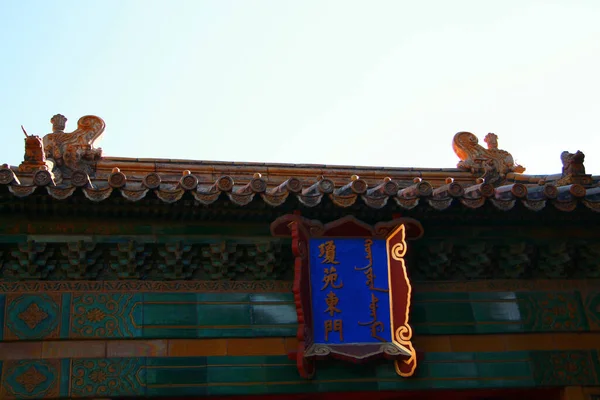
(350, 291)
(330, 277)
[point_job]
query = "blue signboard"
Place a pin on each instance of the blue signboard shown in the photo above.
(350, 296)
(351, 290)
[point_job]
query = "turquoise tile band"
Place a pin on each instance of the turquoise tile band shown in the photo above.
(238, 375)
(43, 316)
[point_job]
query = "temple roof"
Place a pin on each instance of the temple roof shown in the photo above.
(62, 164)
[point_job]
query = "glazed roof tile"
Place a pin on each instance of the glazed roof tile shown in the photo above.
(483, 176)
(439, 188)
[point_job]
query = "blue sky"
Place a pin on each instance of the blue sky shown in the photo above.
(383, 83)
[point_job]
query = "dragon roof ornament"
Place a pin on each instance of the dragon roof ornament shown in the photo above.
(66, 163)
(63, 153)
(573, 170)
(493, 162)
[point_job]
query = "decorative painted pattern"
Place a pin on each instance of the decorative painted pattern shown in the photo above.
(205, 314)
(104, 315)
(496, 285)
(33, 316)
(558, 311)
(30, 379)
(574, 368)
(593, 309)
(107, 377)
(146, 286)
(262, 375)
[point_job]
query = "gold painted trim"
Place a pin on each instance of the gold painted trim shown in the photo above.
(401, 337)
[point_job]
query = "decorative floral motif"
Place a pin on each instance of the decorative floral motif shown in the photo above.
(95, 315)
(565, 368)
(103, 315)
(557, 311)
(31, 379)
(107, 377)
(98, 376)
(33, 315)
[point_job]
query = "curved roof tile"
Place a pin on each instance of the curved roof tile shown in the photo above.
(406, 195)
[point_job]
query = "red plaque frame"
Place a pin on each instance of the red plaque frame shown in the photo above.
(395, 232)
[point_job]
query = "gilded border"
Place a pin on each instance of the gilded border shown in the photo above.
(403, 334)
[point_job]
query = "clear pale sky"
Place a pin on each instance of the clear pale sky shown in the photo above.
(382, 83)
